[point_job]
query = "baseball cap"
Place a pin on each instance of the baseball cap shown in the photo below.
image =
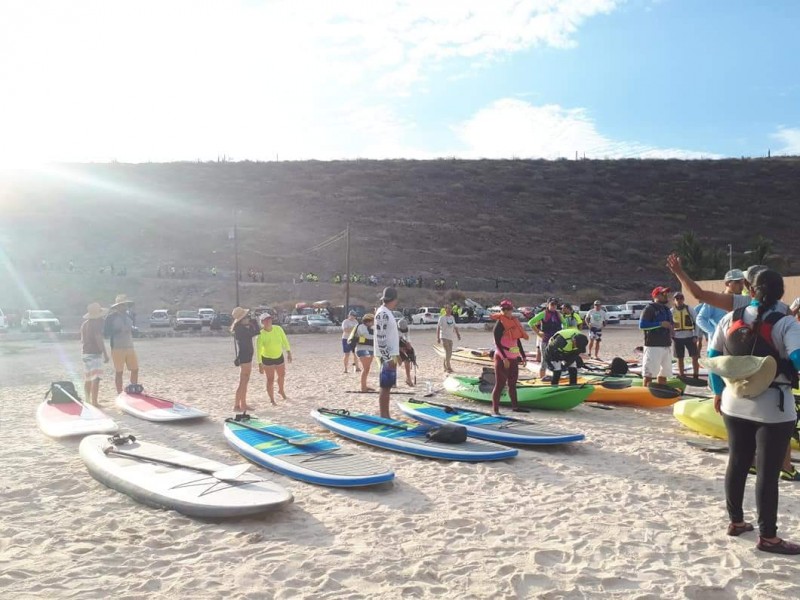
(678, 295)
(352, 313)
(389, 294)
(659, 290)
(552, 300)
(752, 271)
(506, 304)
(264, 316)
(597, 303)
(734, 275)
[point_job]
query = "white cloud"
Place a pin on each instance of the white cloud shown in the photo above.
(515, 128)
(789, 138)
(145, 80)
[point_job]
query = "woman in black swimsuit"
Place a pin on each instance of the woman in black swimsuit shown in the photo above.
(244, 329)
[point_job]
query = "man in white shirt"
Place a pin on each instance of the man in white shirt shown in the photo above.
(348, 348)
(446, 331)
(387, 347)
(595, 320)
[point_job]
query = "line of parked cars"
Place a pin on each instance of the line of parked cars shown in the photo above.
(194, 320)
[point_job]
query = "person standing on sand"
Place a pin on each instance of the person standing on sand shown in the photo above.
(93, 350)
(684, 336)
(348, 347)
(709, 316)
(571, 320)
(244, 329)
(508, 355)
(758, 410)
(596, 319)
(551, 321)
(119, 326)
(271, 345)
(656, 322)
(387, 347)
(362, 339)
(446, 330)
(407, 354)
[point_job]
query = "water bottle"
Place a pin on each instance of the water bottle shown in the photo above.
(429, 386)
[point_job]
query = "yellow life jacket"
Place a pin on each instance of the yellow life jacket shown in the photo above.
(682, 319)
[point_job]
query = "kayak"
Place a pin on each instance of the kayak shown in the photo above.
(537, 396)
(698, 414)
(485, 426)
(587, 378)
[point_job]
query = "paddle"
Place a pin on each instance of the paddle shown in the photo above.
(454, 410)
(661, 390)
(365, 419)
(227, 474)
(297, 440)
(376, 392)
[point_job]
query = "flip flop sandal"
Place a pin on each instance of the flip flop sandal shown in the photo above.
(737, 530)
(782, 547)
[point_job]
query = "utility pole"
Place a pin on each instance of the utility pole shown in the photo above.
(730, 257)
(236, 252)
(347, 268)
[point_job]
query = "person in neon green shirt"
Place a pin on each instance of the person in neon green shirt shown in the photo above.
(271, 345)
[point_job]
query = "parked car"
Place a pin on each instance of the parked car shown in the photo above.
(426, 314)
(319, 321)
(618, 312)
(636, 307)
(160, 318)
(206, 315)
(221, 320)
(3, 322)
(40, 320)
(187, 319)
(298, 319)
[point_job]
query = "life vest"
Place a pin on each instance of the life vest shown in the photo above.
(742, 339)
(568, 336)
(361, 340)
(682, 319)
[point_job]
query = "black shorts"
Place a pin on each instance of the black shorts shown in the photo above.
(272, 362)
(682, 345)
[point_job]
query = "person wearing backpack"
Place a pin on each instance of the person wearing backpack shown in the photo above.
(756, 403)
(119, 328)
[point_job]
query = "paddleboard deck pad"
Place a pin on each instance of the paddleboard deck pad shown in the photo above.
(152, 408)
(402, 436)
(65, 419)
(488, 427)
(184, 489)
(309, 458)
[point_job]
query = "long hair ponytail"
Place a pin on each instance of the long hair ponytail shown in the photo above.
(768, 289)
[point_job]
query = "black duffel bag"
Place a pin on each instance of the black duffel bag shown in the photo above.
(448, 433)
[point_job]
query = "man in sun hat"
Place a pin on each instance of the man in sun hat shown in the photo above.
(119, 327)
(656, 323)
(93, 350)
(387, 347)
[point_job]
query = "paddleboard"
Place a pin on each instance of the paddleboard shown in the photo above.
(201, 488)
(489, 427)
(72, 418)
(402, 436)
(309, 458)
(151, 408)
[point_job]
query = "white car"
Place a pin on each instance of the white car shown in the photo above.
(40, 320)
(426, 314)
(617, 313)
(207, 315)
(187, 319)
(160, 318)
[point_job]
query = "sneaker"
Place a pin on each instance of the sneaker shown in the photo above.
(792, 475)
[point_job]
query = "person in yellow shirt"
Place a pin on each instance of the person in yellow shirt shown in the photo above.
(271, 345)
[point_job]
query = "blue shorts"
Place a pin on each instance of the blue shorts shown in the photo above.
(388, 377)
(347, 347)
(365, 352)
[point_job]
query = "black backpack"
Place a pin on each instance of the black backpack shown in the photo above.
(61, 392)
(448, 433)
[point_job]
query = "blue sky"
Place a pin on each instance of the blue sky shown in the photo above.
(160, 80)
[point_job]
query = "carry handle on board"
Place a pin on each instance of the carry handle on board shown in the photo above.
(341, 412)
(297, 440)
(230, 473)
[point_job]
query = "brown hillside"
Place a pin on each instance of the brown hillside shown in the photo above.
(538, 227)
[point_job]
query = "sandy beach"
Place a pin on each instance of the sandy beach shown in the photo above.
(632, 512)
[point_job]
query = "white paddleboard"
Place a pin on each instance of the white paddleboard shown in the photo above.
(221, 491)
(152, 408)
(65, 419)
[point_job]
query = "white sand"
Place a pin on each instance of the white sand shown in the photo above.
(632, 512)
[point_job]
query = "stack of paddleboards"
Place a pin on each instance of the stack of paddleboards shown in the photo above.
(402, 436)
(485, 426)
(165, 478)
(151, 408)
(70, 416)
(300, 455)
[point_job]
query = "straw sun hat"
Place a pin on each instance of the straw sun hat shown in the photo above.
(120, 300)
(238, 314)
(747, 376)
(95, 311)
